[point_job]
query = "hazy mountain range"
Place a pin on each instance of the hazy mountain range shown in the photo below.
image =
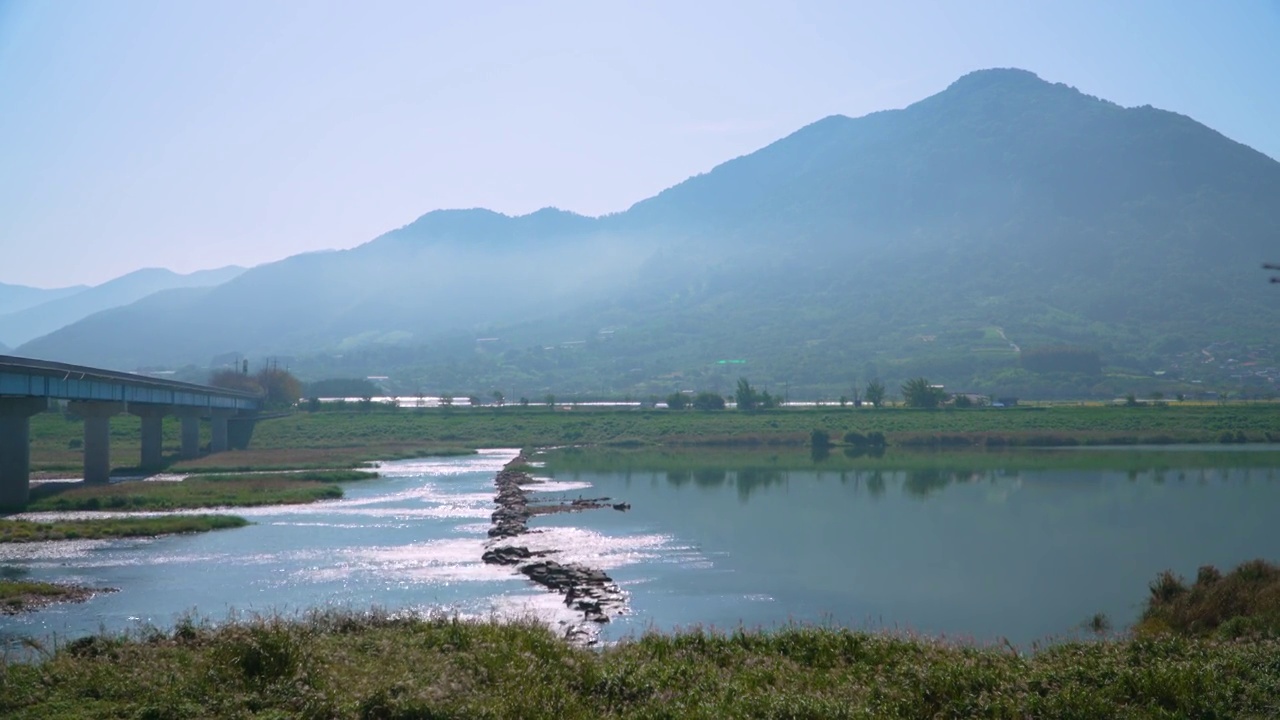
(1001, 214)
(53, 309)
(20, 297)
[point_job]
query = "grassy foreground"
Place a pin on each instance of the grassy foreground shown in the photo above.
(343, 665)
(16, 531)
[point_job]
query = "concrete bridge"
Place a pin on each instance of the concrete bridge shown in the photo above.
(26, 386)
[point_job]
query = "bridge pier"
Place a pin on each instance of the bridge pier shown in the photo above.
(190, 434)
(97, 437)
(15, 448)
(152, 433)
(240, 430)
(218, 423)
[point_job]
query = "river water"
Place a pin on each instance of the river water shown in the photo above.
(974, 548)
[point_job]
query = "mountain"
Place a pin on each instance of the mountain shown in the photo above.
(20, 297)
(1004, 213)
(23, 325)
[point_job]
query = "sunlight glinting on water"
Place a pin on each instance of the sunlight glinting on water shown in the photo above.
(411, 539)
(594, 549)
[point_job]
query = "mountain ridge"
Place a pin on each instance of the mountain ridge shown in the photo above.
(1003, 201)
(21, 326)
(14, 298)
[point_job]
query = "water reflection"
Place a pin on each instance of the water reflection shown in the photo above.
(1022, 546)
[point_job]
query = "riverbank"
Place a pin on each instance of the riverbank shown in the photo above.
(19, 596)
(21, 531)
(375, 665)
(194, 492)
(349, 439)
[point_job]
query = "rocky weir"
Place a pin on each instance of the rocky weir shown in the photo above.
(587, 590)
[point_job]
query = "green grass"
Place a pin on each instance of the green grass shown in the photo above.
(375, 666)
(16, 595)
(194, 492)
(18, 531)
(12, 589)
(323, 476)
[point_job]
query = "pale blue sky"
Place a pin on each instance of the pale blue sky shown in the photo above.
(190, 134)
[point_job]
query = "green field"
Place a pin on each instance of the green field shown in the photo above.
(347, 439)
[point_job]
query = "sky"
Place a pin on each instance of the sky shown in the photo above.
(198, 134)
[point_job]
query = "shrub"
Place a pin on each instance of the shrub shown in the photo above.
(708, 401)
(1244, 602)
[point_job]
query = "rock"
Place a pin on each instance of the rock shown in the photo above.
(507, 555)
(586, 590)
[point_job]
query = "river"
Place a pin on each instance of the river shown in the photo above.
(1023, 547)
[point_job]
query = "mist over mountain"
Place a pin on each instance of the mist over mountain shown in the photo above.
(1001, 214)
(31, 322)
(448, 270)
(20, 297)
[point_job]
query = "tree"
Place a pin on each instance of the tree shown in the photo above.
(281, 387)
(962, 401)
(875, 393)
(918, 393)
(550, 400)
(706, 400)
(446, 401)
(677, 401)
(278, 388)
(746, 396)
(497, 397)
(234, 380)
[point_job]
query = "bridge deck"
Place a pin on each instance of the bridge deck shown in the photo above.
(25, 377)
